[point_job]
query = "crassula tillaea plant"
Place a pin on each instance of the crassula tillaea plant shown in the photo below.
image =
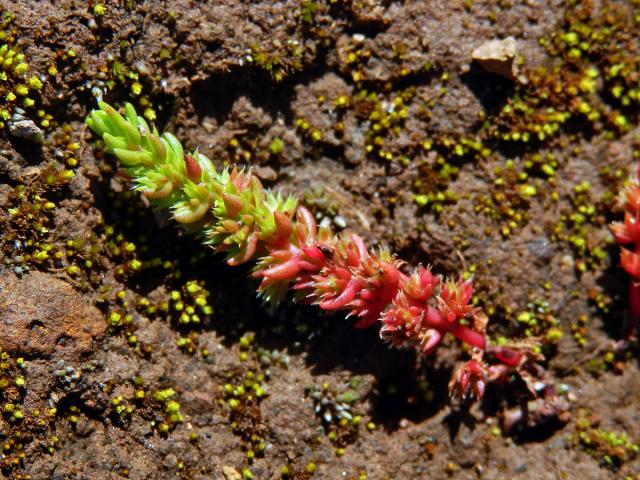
(627, 233)
(237, 216)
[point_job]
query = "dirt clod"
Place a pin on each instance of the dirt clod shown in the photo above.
(41, 316)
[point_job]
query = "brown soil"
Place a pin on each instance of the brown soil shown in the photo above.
(234, 78)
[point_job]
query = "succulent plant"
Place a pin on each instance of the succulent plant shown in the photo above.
(239, 217)
(627, 233)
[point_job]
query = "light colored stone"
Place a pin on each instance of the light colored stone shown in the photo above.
(231, 473)
(497, 56)
(27, 130)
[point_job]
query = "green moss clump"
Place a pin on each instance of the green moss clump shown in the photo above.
(592, 81)
(20, 85)
(612, 449)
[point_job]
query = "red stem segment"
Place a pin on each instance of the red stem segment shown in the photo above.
(436, 320)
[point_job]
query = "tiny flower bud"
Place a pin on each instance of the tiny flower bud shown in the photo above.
(194, 171)
(630, 261)
(233, 204)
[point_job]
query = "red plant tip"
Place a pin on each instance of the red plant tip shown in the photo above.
(402, 321)
(360, 246)
(193, 168)
(353, 250)
(454, 299)
(284, 227)
(306, 225)
(246, 252)
(430, 339)
(469, 379)
(287, 270)
(421, 284)
(620, 233)
(341, 298)
(242, 180)
(627, 231)
(381, 279)
(314, 253)
(630, 262)
(630, 198)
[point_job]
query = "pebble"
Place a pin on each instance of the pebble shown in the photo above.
(497, 56)
(231, 473)
(27, 130)
(340, 221)
(567, 262)
(266, 173)
(541, 248)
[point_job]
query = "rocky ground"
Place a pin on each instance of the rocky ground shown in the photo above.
(489, 138)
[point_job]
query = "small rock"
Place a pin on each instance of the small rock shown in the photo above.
(497, 56)
(541, 248)
(170, 461)
(27, 130)
(266, 173)
(567, 262)
(198, 401)
(41, 316)
(340, 221)
(231, 473)
(84, 427)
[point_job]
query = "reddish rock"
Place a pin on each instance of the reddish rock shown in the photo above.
(41, 316)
